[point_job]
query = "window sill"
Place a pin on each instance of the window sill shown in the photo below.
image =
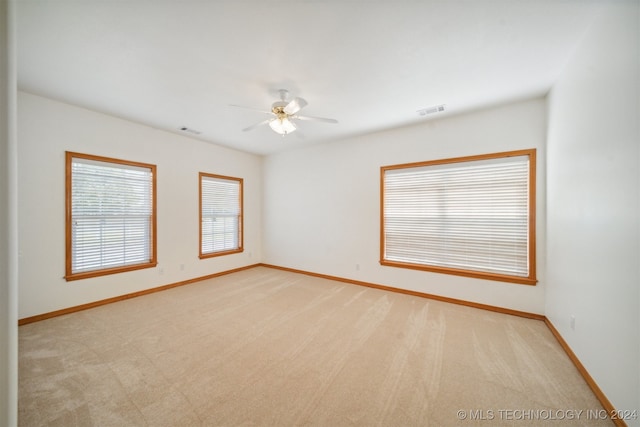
(466, 273)
(221, 253)
(96, 273)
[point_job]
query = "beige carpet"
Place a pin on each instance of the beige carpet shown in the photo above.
(268, 347)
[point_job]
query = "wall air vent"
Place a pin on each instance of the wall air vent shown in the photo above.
(191, 131)
(431, 110)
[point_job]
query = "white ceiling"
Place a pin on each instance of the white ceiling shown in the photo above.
(370, 64)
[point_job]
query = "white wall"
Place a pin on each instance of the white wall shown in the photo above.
(46, 129)
(322, 203)
(5, 318)
(593, 202)
(8, 220)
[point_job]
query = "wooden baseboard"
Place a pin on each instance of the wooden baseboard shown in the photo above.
(415, 293)
(74, 309)
(87, 306)
(606, 404)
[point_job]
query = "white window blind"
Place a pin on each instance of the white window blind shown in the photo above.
(221, 214)
(111, 215)
(464, 215)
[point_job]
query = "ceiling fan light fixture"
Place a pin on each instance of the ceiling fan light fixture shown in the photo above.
(282, 126)
(284, 114)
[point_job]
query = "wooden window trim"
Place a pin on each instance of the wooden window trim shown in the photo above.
(240, 247)
(531, 279)
(69, 276)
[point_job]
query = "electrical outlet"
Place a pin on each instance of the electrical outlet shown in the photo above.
(181, 267)
(161, 270)
(573, 322)
(357, 267)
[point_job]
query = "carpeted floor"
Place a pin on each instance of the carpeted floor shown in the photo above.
(268, 347)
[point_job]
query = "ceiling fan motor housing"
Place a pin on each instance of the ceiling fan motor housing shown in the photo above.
(277, 108)
(284, 112)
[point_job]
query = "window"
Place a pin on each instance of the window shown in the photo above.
(110, 216)
(471, 216)
(220, 215)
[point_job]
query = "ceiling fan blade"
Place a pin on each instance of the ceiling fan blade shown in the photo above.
(295, 105)
(250, 108)
(264, 122)
(316, 119)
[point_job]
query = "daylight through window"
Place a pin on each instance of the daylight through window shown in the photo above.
(110, 216)
(472, 216)
(220, 215)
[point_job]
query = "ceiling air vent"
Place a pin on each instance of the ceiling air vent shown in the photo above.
(431, 110)
(191, 131)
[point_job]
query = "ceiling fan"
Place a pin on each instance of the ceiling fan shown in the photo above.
(283, 113)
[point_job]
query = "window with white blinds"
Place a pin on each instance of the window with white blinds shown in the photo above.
(220, 215)
(472, 216)
(110, 216)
